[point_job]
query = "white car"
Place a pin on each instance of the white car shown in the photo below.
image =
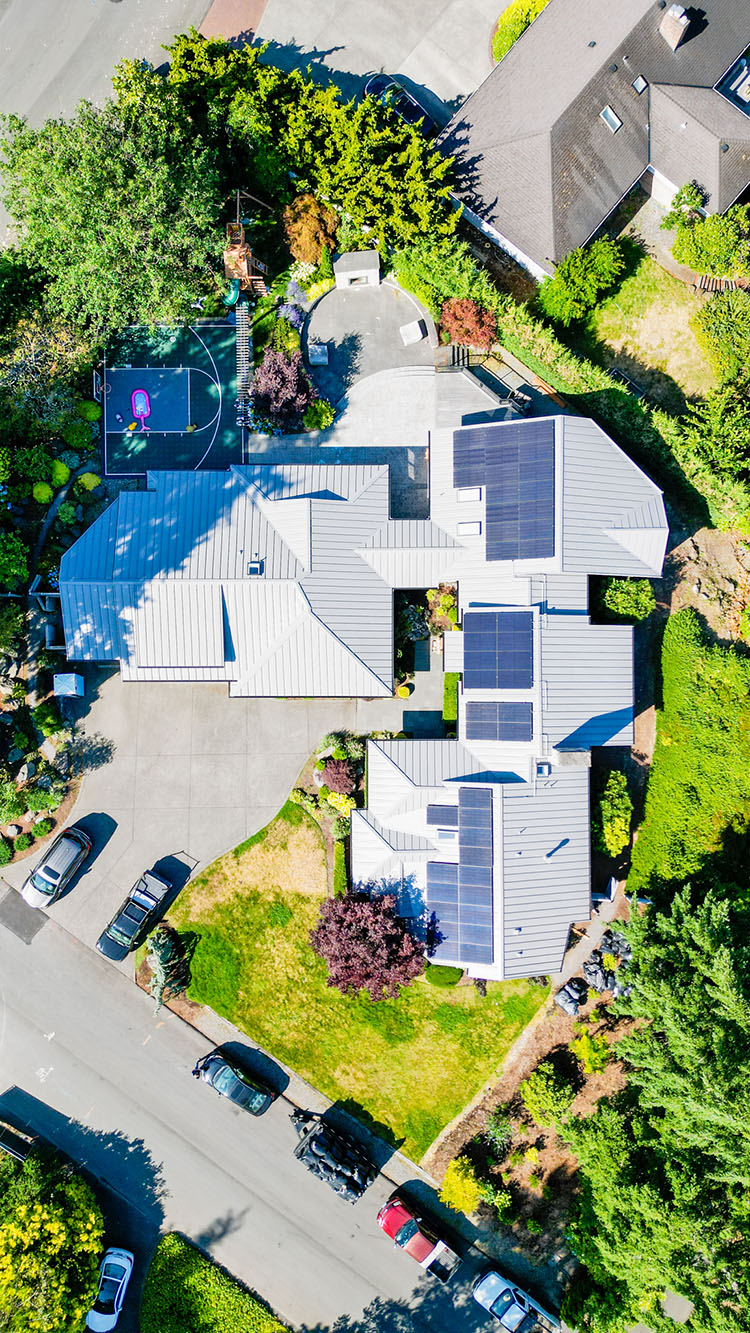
(512, 1308)
(114, 1276)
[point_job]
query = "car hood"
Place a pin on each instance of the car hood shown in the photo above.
(111, 948)
(33, 898)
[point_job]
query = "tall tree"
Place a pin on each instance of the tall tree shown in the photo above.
(366, 945)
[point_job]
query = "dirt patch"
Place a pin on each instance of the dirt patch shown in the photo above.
(710, 571)
(180, 1004)
(290, 858)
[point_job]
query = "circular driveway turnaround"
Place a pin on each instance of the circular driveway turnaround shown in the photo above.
(361, 327)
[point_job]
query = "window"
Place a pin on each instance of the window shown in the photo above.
(468, 528)
(640, 84)
(611, 120)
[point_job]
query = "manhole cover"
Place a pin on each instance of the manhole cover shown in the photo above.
(23, 921)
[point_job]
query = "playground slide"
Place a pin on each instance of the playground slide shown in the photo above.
(233, 295)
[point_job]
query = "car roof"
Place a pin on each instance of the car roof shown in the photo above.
(62, 853)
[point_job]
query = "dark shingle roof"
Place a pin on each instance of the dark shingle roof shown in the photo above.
(533, 156)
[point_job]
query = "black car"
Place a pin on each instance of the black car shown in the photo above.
(332, 1155)
(134, 919)
(230, 1080)
(390, 92)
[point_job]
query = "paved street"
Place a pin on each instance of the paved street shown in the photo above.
(87, 1064)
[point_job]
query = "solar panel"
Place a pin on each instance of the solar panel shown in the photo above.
(520, 486)
(468, 458)
(499, 721)
(446, 816)
(498, 650)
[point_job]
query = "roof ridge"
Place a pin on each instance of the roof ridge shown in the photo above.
(699, 88)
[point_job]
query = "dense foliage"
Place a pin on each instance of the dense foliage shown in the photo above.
(718, 245)
(512, 24)
(170, 966)
(310, 228)
(717, 428)
(665, 1166)
(186, 1290)
(722, 328)
(546, 1094)
(461, 1190)
(51, 1238)
(366, 946)
(282, 391)
(611, 815)
(580, 279)
(627, 599)
(698, 800)
(468, 324)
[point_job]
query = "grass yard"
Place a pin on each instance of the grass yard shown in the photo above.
(697, 815)
(185, 1290)
(644, 330)
(407, 1066)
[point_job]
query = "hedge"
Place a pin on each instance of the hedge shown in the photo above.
(186, 1290)
(512, 24)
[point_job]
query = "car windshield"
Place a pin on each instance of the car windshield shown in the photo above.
(502, 1304)
(225, 1081)
(406, 1232)
(41, 884)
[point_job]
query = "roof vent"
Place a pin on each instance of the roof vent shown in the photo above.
(255, 566)
(674, 26)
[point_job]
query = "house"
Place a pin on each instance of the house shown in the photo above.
(279, 580)
(593, 99)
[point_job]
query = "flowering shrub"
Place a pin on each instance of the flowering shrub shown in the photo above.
(282, 389)
(292, 312)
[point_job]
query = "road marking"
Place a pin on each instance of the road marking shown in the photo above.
(48, 1036)
(43, 1074)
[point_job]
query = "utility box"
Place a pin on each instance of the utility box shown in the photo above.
(357, 268)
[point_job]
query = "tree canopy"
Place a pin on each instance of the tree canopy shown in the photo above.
(579, 280)
(366, 945)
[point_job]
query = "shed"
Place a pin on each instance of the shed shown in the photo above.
(357, 268)
(68, 684)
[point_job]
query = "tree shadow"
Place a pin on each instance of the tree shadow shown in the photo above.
(334, 380)
(89, 751)
(220, 1228)
(122, 1165)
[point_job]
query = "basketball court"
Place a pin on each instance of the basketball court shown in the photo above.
(168, 400)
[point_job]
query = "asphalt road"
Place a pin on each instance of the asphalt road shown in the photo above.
(87, 1064)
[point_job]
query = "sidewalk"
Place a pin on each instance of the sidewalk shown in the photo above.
(237, 20)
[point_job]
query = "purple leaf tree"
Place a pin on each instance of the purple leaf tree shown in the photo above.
(366, 946)
(282, 389)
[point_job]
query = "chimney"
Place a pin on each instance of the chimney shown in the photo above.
(674, 26)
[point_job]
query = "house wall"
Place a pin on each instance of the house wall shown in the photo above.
(532, 267)
(660, 189)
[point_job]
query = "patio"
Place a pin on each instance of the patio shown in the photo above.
(361, 328)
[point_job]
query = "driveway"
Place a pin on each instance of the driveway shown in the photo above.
(181, 773)
(439, 48)
(361, 327)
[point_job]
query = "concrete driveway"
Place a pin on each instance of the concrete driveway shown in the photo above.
(439, 48)
(361, 327)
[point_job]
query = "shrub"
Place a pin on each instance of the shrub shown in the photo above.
(66, 513)
(89, 410)
(12, 619)
(42, 492)
(499, 1197)
(546, 1095)
(77, 435)
(612, 815)
(285, 337)
(437, 975)
(291, 310)
(468, 323)
(300, 277)
(309, 227)
(534, 1227)
(534, 1181)
(6, 851)
(717, 429)
(722, 330)
(22, 842)
(170, 968)
(319, 288)
(340, 828)
(306, 799)
(366, 946)
(47, 718)
(88, 481)
(450, 696)
(324, 271)
(340, 878)
(628, 599)
(718, 245)
(282, 389)
(461, 1190)
(12, 803)
(340, 776)
(512, 24)
(531, 1155)
(340, 802)
(579, 280)
(593, 1051)
(44, 827)
(318, 415)
(185, 1289)
(355, 749)
(59, 472)
(498, 1130)
(37, 799)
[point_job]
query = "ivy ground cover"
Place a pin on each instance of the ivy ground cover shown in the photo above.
(406, 1066)
(185, 1290)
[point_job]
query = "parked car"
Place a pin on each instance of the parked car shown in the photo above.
(228, 1078)
(134, 919)
(114, 1276)
(391, 92)
(416, 1238)
(61, 860)
(513, 1308)
(332, 1156)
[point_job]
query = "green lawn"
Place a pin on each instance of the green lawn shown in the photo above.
(697, 816)
(186, 1291)
(405, 1066)
(644, 329)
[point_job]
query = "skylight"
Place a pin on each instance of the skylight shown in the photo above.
(611, 119)
(640, 84)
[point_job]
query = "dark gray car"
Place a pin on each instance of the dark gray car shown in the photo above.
(57, 867)
(230, 1080)
(135, 918)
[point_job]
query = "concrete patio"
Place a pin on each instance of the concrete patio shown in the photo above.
(361, 328)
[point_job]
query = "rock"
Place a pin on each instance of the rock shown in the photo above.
(25, 772)
(62, 764)
(37, 819)
(13, 830)
(45, 782)
(13, 670)
(6, 685)
(48, 749)
(15, 755)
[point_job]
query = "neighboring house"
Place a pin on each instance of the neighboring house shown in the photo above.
(591, 100)
(492, 830)
(279, 580)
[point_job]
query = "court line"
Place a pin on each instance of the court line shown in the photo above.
(221, 397)
(104, 414)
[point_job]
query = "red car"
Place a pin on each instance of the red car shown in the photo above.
(412, 1235)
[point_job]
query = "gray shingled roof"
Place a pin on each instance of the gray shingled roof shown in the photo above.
(533, 157)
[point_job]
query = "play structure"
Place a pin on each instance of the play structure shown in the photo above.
(141, 407)
(241, 269)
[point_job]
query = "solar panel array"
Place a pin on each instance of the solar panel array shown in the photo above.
(515, 462)
(498, 650)
(499, 722)
(460, 896)
(446, 816)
